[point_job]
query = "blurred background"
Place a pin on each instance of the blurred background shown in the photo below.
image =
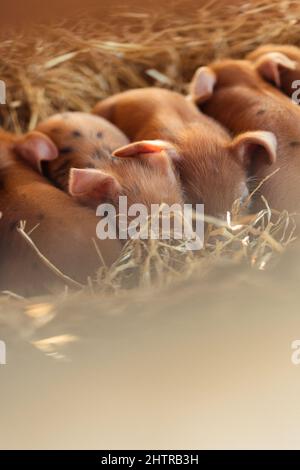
(202, 365)
(28, 13)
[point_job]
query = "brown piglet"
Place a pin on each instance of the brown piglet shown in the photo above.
(61, 229)
(82, 140)
(86, 170)
(234, 93)
(212, 166)
(280, 65)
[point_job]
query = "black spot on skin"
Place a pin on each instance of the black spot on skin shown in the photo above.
(295, 143)
(260, 112)
(99, 135)
(41, 216)
(56, 130)
(65, 150)
(76, 134)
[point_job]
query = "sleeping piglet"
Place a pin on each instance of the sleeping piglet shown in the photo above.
(280, 65)
(234, 93)
(62, 229)
(82, 140)
(85, 169)
(212, 166)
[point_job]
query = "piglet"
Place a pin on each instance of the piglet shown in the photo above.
(234, 93)
(94, 178)
(82, 140)
(212, 166)
(280, 65)
(62, 230)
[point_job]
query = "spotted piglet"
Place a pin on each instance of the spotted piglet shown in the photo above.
(82, 140)
(85, 169)
(62, 230)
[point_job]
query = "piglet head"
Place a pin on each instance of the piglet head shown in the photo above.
(34, 148)
(221, 76)
(213, 170)
(92, 186)
(142, 172)
(209, 83)
(273, 65)
(225, 174)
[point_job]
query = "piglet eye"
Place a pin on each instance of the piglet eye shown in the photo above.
(76, 134)
(99, 134)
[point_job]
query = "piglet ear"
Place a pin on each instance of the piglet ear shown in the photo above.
(202, 85)
(142, 147)
(35, 148)
(251, 145)
(93, 186)
(157, 153)
(269, 66)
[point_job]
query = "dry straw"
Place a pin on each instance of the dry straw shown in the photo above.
(58, 68)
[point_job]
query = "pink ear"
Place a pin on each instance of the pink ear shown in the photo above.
(36, 147)
(202, 85)
(246, 146)
(144, 147)
(157, 153)
(92, 186)
(269, 64)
